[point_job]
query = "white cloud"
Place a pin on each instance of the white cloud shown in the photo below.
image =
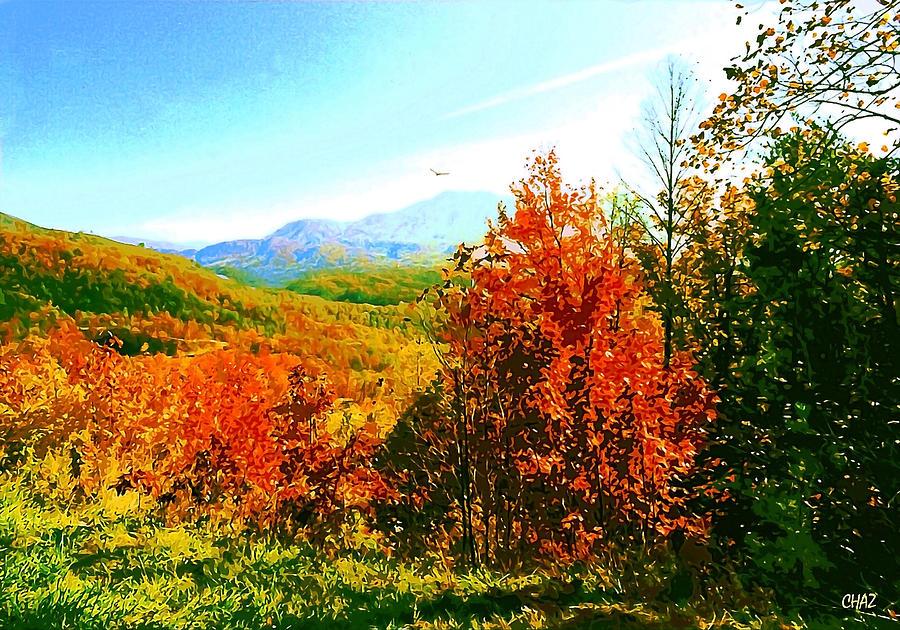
(590, 145)
(210, 225)
(568, 79)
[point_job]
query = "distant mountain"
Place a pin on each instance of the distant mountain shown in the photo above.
(425, 231)
(438, 223)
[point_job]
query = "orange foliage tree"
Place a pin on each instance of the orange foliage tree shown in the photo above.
(241, 437)
(560, 428)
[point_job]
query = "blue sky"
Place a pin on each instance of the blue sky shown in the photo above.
(202, 121)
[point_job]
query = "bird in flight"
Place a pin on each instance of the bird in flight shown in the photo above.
(436, 173)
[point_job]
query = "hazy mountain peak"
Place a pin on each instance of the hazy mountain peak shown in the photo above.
(428, 228)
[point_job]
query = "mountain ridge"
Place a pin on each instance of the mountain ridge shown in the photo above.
(424, 231)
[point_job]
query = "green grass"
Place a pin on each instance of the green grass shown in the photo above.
(109, 564)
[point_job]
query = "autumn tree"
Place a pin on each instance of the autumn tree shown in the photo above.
(823, 58)
(561, 429)
(674, 206)
(421, 461)
(802, 352)
(250, 439)
(807, 445)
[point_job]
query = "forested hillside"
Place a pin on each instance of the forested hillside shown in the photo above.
(154, 302)
(368, 285)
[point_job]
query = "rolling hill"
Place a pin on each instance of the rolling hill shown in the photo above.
(156, 302)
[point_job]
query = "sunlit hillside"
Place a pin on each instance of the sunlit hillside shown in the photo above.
(156, 302)
(368, 285)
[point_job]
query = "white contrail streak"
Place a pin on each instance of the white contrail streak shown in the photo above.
(568, 79)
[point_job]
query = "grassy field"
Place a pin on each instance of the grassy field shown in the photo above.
(109, 563)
